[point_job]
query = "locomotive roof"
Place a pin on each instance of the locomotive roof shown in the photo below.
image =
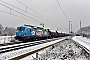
(24, 26)
(31, 27)
(36, 27)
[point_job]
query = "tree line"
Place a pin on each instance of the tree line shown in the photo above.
(6, 31)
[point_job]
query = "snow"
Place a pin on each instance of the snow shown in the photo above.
(24, 43)
(81, 58)
(12, 54)
(6, 39)
(83, 41)
(61, 49)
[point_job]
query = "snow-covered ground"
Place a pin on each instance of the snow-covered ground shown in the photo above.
(83, 41)
(65, 50)
(15, 53)
(6, 39)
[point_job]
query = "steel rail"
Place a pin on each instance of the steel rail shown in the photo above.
(23, 45)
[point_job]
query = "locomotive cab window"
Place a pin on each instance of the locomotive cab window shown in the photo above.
(30, 30)
(20, 28)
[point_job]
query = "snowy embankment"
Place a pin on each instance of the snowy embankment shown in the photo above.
(16, 53)
(6, 39)
(64, 50)
(83, 41)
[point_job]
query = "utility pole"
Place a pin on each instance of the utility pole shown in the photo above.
(80, 24)
(80, 27)
(69, 27)
(11, 33)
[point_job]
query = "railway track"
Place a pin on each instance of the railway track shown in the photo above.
(9, 48)
(18, 42)
(17, 51)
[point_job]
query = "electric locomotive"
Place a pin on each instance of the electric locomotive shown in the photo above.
(30, 33)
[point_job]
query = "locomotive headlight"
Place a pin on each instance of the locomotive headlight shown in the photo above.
(24, 34)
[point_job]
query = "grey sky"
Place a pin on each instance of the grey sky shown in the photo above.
(75, 10)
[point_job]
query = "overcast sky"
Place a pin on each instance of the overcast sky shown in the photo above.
(53, 16)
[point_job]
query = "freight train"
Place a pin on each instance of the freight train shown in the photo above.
(32, 33)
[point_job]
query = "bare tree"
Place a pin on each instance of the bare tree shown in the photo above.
(1, 29)
(10, 30)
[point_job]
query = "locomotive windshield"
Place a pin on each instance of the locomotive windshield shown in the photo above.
(20, 28)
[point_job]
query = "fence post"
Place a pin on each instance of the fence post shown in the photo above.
(4, 40)
(88, 56)
(37, 55)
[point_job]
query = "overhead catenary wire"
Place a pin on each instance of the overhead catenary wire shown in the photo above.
(31, 9)
(14, 15)
(20, 9)
(23, 10)
(18, 12)
(47, 20)
(62, 10)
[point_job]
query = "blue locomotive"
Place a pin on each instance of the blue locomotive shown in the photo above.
(32, 33)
